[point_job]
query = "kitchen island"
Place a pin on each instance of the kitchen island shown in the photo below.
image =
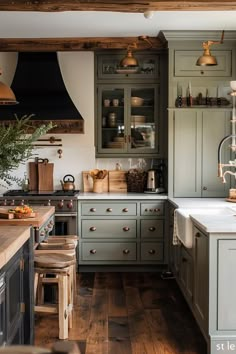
(18, 237)
(206, 272)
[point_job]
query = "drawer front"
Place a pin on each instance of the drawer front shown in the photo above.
(152, 228)
(151, 209)
(109, 209)
(109, 229)
(109, 251)
(152, 251)
(185, 63)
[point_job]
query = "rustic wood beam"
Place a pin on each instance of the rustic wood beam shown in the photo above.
(117, 6)
(74, 44)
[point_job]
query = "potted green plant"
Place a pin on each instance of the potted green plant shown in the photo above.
(16, 146)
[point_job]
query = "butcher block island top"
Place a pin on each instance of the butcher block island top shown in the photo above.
(11, 240)
(43, 213)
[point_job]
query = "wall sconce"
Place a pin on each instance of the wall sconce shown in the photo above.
(7, 96)
(207, 59)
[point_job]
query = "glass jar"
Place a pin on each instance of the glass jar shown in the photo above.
(112, 120)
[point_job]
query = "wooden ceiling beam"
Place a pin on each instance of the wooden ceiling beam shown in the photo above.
(117, 6)
(75, 44)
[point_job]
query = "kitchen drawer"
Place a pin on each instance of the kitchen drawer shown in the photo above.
(185, 63)
(151, 209)
(109, 228)
(109, 251)
(152, 228)
(152, 251)
(109, 209)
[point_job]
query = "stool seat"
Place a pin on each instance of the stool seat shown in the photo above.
(56, 246)
(53, 260)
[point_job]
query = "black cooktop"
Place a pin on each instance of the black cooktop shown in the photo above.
(19, 192)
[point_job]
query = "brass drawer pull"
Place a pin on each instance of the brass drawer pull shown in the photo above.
(152, 228)
(146, 209)
(109, 210)
(126, 228)
(157, 210)
(93, 228)
(151, 251)
(93, 251)
(93, 210)
(126, 251)
(198, 234)
(125, 210)
(150, 210)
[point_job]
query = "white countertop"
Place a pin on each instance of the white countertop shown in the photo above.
(121, 196)
(200, 202)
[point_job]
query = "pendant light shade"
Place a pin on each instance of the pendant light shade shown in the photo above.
(7, 96)
(129, 60)
(207, 59)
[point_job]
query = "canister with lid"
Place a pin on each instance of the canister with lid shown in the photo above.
(112, 120)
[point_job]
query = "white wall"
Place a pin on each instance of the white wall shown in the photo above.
(78, 149)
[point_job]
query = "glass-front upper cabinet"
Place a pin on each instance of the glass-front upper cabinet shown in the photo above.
(128, 120)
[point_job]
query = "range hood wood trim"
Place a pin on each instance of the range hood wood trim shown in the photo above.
(67, 126)
(135, 6)
(74, 44)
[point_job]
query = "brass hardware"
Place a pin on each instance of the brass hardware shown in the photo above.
(207, 59)
(126, 251)
(204, 188)
(93, 251)
(156, 210)
(152, 228)
(198, 235)
(125, 210)
(151, 251)
(93, 210)
(150, 210)
(129, 59)
(92, 228)
(109, 210)
(126, 228)
(59, 151)
(22, 307)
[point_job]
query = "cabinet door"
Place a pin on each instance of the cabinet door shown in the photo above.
(186, 154)
(201, 278)
(186, 274)
(215, 126)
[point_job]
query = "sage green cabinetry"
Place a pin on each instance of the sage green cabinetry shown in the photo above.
(193, 151)
(120, 233)
(123, 127)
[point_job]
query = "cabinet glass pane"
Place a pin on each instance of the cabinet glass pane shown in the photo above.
(113, 124)
(142, 123)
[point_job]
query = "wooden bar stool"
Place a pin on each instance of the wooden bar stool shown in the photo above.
(69, 347)
(61, 266)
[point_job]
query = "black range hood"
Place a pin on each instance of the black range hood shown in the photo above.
(39, 88)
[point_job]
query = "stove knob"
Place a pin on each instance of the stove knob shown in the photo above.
(22, 202)
(70, 204)
(49, 203)
(4, 202)
(12, 202)
(60, 204)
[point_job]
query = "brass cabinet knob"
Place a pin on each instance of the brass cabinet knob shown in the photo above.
(204, 188)
(151, 251)
(109, 210)
(146, 209)
(150, 210)
(92, 228)
(152, 228)
(42, 233)
(126, 228)
(93, 210)
(198, 234)
(93, 251)
(184, 260)
(125, 210)
(126, 251)
(157, 210)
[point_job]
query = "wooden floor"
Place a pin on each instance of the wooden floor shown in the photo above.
(127, 313)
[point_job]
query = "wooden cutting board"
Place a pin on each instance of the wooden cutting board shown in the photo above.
(45, 176)
(88, 182)
(33, 176)
(117, 181)
(4, 214)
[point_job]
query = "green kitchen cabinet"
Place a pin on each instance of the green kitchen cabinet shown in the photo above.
(130, 116)
(195, 135)
(114, 232)
(185, 276)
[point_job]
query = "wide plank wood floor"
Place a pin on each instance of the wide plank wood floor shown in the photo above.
(127, 313)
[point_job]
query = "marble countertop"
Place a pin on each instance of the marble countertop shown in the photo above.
(121, 196)
(200, 202)
(225, 224)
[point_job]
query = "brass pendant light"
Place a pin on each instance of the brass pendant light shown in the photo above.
(129, 59)
(7, 96)
(207, 59)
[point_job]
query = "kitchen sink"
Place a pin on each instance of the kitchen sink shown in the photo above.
(183, 223)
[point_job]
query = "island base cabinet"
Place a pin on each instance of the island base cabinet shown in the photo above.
(186, 274)
(110, 251)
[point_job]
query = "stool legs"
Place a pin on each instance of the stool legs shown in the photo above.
(63, 310)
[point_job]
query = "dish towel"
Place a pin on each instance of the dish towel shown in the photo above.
(175, 241)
